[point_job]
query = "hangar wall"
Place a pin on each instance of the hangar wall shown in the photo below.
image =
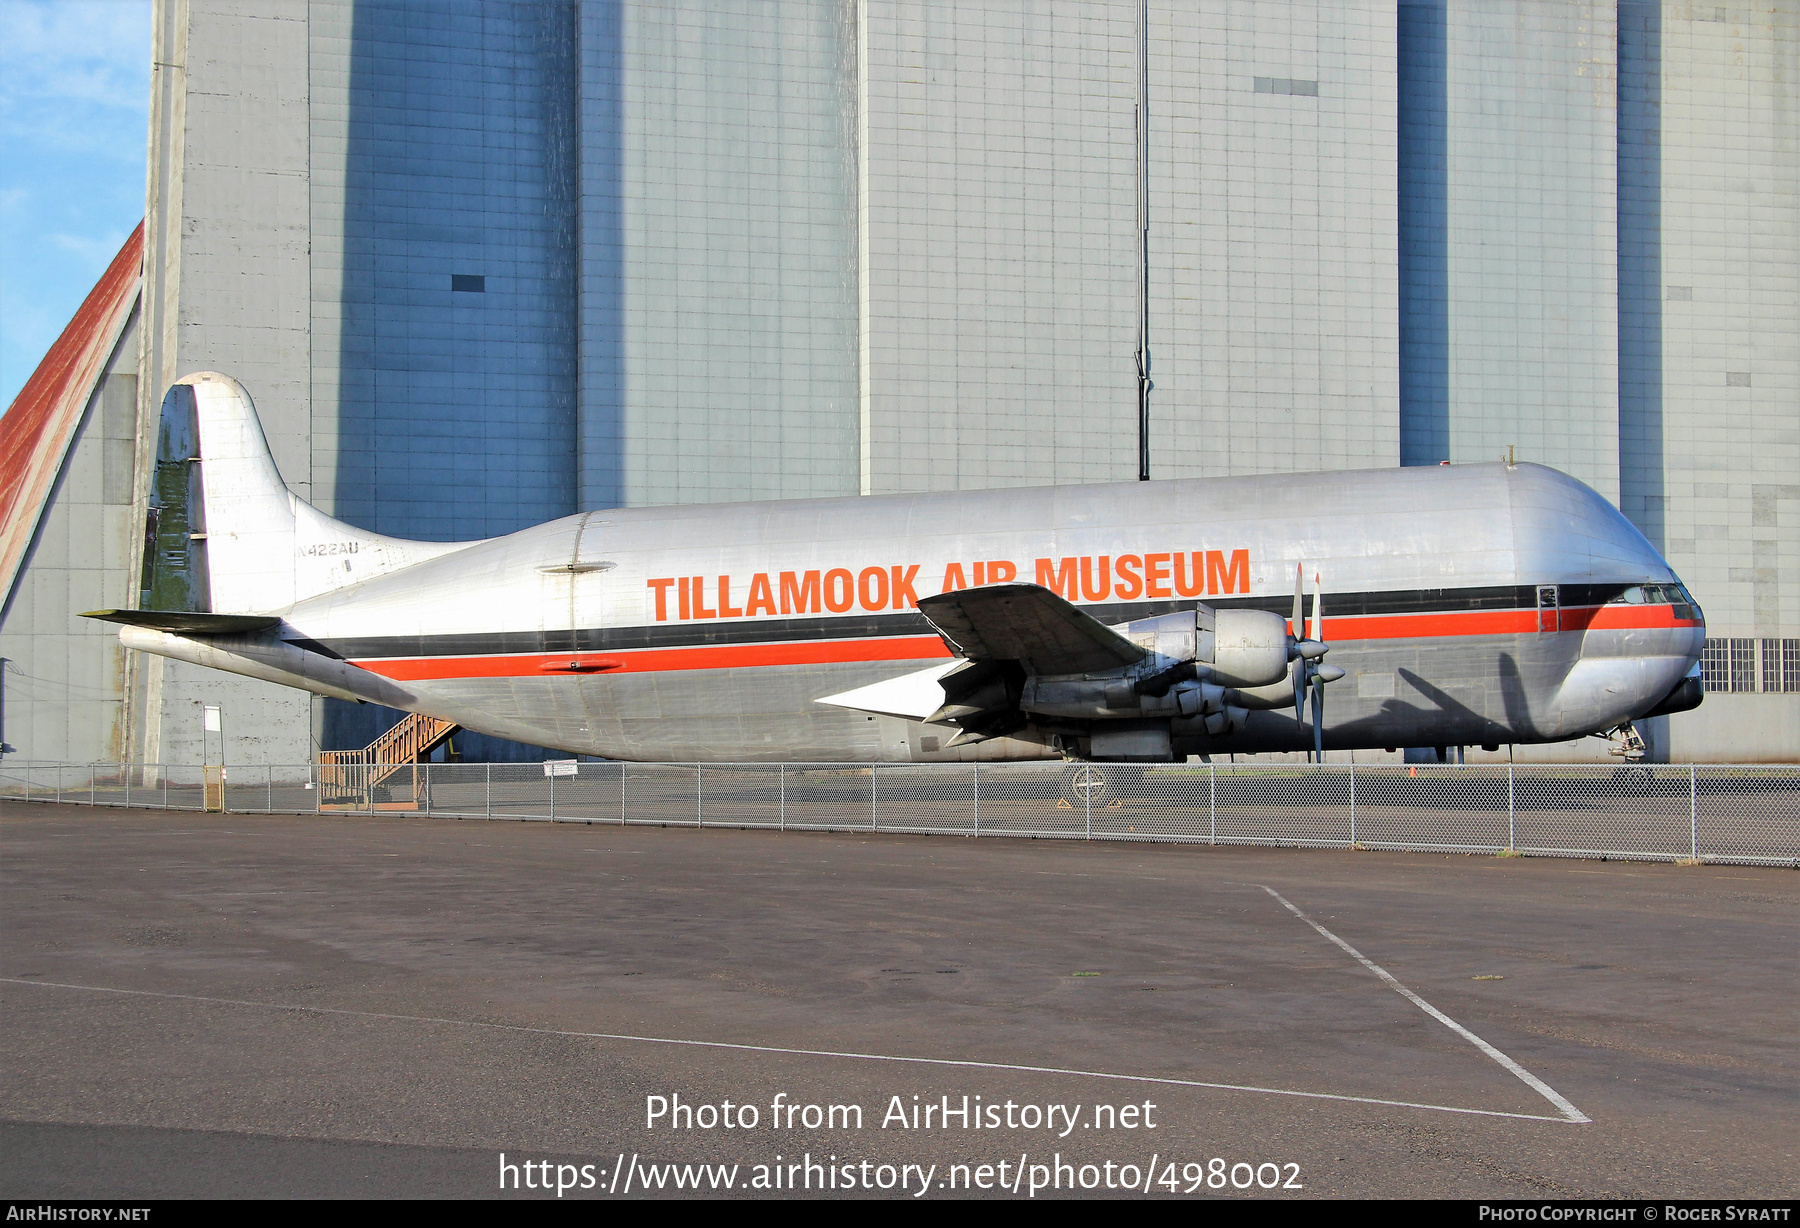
(226, 288)
(65, 675)
(1274, 245)
(718, 250)
(748, 250)
(443, 286)
(1717, 439)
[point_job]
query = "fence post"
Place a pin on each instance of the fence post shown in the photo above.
(1353, 803)
(1212, 799)
(978, 799)
(1512, 822)
(59, 772)
(697, 801)
(874, 818)
(269, 793)
(163, 771)
(1693, 814)
(125, 780)
(783, 796)
(553, 797)
(1090, 814)
(91, 785)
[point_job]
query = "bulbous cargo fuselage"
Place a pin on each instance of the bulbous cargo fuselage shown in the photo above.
(1466, 605)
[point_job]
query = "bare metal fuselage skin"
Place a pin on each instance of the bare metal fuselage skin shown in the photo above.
(1467, 605)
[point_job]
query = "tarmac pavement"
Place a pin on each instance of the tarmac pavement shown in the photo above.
(217, 1006)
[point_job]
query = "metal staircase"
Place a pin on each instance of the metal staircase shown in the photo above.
(384, 775)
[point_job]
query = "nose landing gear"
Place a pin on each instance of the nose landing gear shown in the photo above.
(1627, 743)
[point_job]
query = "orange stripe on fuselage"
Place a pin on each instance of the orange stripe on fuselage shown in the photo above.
(1340, 631)
(661, 660)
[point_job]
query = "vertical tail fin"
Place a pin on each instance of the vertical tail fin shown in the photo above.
(254, 547)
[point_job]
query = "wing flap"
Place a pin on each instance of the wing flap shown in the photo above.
(915, 696)
(1030, 624)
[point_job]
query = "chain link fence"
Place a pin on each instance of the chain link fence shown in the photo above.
(1712, 813)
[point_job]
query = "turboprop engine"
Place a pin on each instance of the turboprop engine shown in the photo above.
(1193, 661)
(1123, 691)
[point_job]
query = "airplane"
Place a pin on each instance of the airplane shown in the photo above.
(1142, 622)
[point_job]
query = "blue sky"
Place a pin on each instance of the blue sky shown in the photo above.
(74, 114)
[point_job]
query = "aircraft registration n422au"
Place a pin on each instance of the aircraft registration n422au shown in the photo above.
(1137, 622)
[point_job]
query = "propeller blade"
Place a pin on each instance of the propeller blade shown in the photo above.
(1299, 601)
(1318, 715)
(1318, 618)
(1298, 673)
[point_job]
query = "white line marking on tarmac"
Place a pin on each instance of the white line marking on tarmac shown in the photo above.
(1569, 1111)
(719, 1044)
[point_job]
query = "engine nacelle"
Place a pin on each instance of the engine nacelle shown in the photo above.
(1116, 698)
(1250, 648)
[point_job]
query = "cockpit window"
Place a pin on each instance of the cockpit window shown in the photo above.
(1675, 595)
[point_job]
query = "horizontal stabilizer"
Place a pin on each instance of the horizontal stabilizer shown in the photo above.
(1029, 624)
(186, 622)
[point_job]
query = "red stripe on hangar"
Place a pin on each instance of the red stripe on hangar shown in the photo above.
(660, 660)
(1340, 631)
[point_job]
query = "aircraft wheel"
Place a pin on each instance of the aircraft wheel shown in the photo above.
(1085, 783)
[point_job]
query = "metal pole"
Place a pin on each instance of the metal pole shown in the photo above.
(1353, 803)
(978, 799)
(1087, 804)
(1512, 821)
(1212, 798)
(874, 818)
(59, 772)
(621, 793)
(490, 790)
(697, 803)
(1693, 815)
(1143, 223)
(783, 796)
(91, 785)
(553, 797)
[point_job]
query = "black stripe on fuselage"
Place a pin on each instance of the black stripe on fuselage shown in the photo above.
(870, 626)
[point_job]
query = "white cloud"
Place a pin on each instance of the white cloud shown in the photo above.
(71, 73)
(95, 51)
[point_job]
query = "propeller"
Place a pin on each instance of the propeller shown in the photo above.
(1308, 650)
(1298, 669)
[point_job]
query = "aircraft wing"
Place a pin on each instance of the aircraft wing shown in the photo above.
(1030, 624)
